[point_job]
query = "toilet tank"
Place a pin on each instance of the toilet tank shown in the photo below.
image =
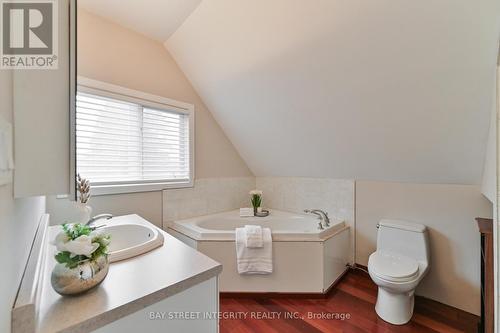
(409, 239)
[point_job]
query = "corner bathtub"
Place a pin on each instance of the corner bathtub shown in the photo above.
(305, 258)
(284, 226)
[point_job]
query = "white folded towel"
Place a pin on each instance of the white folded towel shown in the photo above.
(253, 236)
(254, 260)
(246, 212)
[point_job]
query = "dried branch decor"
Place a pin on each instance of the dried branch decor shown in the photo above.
(83, 187)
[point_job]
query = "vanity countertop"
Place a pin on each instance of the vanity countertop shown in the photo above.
(131, 285)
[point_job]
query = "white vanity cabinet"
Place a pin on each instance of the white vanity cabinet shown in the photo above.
(193, 310)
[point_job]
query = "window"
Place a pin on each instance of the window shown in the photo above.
(128, 141)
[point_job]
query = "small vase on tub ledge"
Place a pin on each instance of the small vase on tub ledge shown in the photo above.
(256, 199)
(84, 211)
(82, 259)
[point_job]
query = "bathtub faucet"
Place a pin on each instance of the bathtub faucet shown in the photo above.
(323, 216)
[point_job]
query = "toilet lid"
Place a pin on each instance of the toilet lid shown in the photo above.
(392, 266)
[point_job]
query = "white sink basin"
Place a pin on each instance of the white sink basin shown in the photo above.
(129, 240)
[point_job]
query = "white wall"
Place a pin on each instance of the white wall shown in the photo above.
(18, 222)
(489, 179)
(449, 212)
(496, 229)
(381, 90)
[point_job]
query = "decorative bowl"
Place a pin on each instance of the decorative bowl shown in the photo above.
(77, 280)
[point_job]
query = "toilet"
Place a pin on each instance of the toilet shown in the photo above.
(397, 267)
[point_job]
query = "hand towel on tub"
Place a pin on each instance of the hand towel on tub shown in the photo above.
(253, 236)
(251, 260)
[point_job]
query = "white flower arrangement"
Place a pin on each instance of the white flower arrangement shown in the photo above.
(78, 243)
(256, 192)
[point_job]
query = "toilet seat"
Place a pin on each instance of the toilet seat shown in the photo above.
(392, 266)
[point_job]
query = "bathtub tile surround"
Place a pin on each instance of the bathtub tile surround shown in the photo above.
(208, 196)
(294, 194)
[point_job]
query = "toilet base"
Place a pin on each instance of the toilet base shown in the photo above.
(395, 308)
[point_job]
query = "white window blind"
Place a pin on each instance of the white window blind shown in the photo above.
(119, 142)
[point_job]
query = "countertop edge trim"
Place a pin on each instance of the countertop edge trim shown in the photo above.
(23, 316)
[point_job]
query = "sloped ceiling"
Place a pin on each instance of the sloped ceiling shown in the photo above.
(157, 19)
(396, 90)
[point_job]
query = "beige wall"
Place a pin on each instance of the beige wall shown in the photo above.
(449, 212)
(18, 222)
(113, 54)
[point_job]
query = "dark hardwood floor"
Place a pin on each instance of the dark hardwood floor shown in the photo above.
(354, 298)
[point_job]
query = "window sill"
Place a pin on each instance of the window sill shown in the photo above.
(98, 190)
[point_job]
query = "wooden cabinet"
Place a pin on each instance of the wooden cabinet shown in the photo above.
(487, 277)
